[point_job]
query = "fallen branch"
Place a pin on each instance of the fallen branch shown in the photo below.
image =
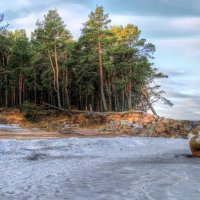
(2, 109)
(57, 108)
(109, 113)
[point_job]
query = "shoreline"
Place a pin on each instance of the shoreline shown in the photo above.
(81, 133)
(124, 124)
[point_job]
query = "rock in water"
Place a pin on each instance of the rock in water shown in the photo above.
(195, 145)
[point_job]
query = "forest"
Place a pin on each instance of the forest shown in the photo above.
(108, 68)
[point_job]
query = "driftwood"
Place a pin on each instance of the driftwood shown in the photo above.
(108, 113)
(146, 97)
(59, 109)
(2, 109)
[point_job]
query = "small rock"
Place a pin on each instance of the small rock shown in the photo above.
(101, 129)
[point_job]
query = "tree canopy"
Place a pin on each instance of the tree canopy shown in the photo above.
(109, 68)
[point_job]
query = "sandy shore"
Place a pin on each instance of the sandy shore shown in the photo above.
(40, 134)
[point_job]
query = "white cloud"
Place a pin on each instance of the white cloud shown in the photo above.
(73, 18)
(187, 23)
(23, 2)
(162, 27)
(188, 47)
(27, 23)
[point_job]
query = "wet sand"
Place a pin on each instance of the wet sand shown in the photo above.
(15, 132)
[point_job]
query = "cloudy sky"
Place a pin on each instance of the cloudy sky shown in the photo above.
(173, 26)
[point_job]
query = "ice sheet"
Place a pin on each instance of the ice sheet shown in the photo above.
(98, 169)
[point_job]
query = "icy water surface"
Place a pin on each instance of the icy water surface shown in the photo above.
(11, 128)
(98, 169)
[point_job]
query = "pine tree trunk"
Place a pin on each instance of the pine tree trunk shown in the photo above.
(66, 87)
(6, 91)
(130, 96)
(57, 77)
(20, 89)
(14, 97)
(110, 101)
(123, 101)
(101, 73)
(145, 94)
(35, 86)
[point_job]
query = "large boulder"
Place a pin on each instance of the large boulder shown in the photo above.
(195, 145)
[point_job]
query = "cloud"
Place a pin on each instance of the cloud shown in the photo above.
(179, 112)
(154, 7)
(73, 18)
(23, 8)
(177, 73)
(155, 27)
(184, 95)
(130, 7)
(186, 106)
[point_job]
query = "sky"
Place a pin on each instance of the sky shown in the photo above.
(172, 26)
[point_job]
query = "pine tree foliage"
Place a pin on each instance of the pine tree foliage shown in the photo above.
(109, 68)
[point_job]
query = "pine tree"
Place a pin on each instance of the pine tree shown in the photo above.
(95, 31)
(51, 36)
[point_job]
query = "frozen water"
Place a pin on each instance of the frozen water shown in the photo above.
(11, 128)
(98, 169)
